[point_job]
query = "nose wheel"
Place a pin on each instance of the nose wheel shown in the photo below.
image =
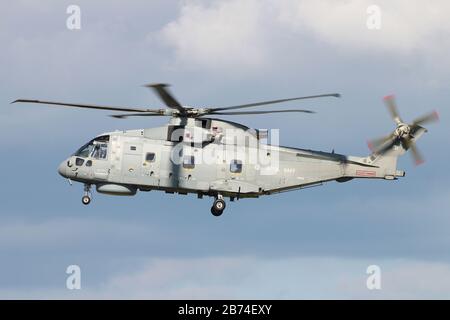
(218, 206)
(86, 199)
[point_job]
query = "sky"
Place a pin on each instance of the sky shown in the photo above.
(310, 244)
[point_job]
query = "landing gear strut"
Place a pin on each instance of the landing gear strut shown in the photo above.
(218, 206)
(87, 194)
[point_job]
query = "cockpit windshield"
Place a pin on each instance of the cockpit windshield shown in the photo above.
(96, 148)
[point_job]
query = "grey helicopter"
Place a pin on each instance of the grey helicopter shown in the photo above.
(195, 153)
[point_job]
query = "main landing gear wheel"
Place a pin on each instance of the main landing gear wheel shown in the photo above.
(218, 207)
(87, 195)
(86, 200)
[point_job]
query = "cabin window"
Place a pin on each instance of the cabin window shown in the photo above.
(236, 166)
(188, 162)
(150, 157)
(89, 163)
(133, 148)
(100, 151)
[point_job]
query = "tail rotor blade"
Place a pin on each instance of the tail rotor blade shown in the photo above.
(417, 156)
(428, 118)
(392, 107)
(377, 144)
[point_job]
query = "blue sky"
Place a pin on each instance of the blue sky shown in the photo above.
(315, 243)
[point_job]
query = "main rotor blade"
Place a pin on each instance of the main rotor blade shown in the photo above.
(166, 96)
(232, 113)
(427, 118)
(392, 107)
(87, 106)
(142, 114)
(337, 95)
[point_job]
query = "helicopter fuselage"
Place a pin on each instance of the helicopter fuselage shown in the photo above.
(208, 157)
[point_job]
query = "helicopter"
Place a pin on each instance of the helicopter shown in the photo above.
(195, 153)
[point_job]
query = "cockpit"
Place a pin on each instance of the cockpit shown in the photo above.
(97, 148)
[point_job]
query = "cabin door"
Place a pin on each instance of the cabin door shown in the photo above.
(132, 163)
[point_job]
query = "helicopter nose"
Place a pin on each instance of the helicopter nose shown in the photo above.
(62, 169)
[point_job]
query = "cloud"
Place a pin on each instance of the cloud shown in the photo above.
(404, 27)
(194, 278)
(249, 34)
(220, 35)
(246, 277)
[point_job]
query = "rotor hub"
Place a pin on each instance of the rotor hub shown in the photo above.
(403, 130)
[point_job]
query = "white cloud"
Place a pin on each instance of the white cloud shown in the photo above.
(405, 27)
(172, 274)
(238, 277)
(248, 34)
(219, 35)
(194, 278)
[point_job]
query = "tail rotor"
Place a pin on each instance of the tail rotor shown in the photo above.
(404, 134)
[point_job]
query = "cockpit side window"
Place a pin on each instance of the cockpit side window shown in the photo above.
(96, 148)
(85, 150)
